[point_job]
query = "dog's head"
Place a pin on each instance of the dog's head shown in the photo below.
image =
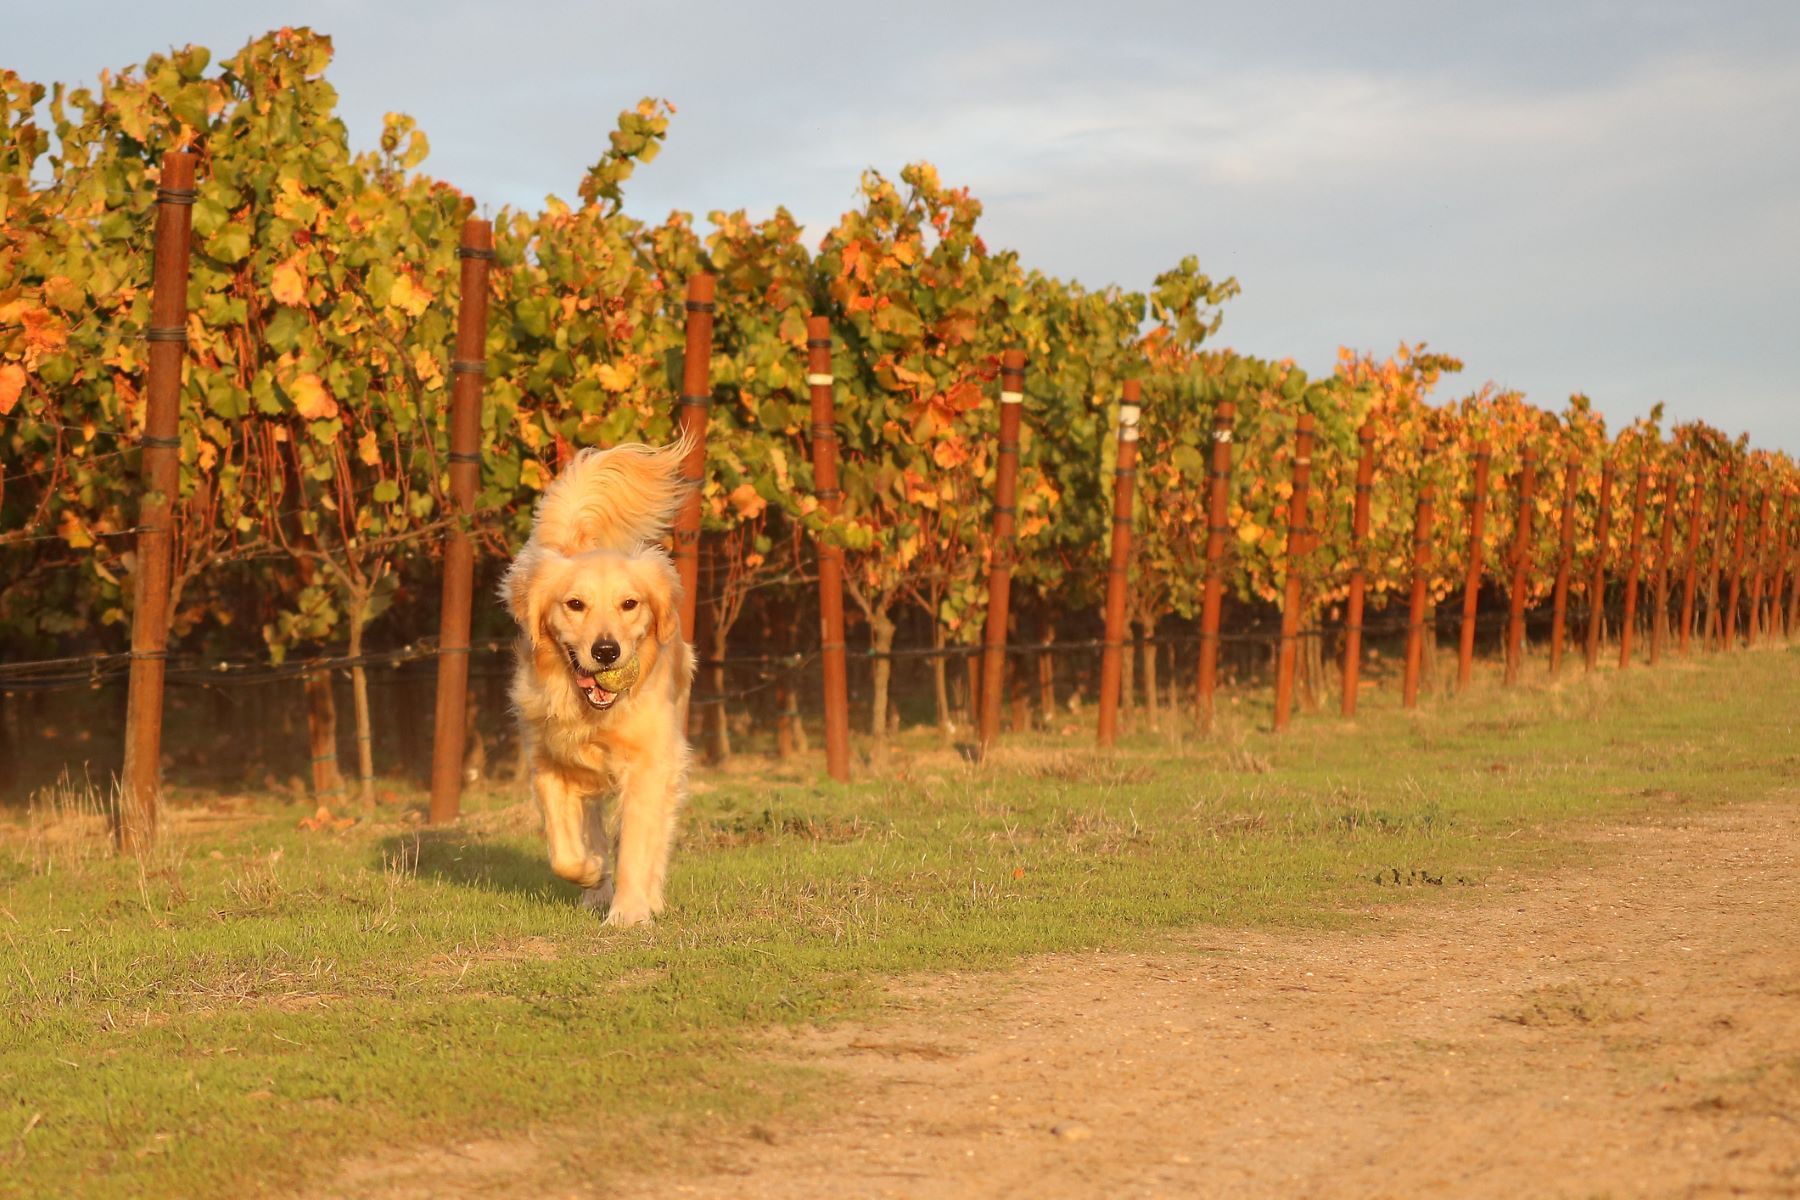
(600, 612)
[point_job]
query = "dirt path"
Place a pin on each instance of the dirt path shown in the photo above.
(1631, 1028)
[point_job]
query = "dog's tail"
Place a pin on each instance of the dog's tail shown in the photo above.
(617, 499)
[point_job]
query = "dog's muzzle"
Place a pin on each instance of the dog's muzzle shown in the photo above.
(604, 687)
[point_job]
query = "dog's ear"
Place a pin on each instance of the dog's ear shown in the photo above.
(527, 586)
(665, 600)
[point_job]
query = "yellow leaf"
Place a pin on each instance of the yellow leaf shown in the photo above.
(409, 297)
(311, 400)
(533, 475)
(367, 451)
(1249, 533)
(425, 366)
(616, 378)
(73, 531)
(289, 284)
(12, 386)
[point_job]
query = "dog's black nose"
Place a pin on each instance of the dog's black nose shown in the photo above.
(606, 652)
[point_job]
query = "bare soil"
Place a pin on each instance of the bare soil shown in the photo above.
(1629, 1027)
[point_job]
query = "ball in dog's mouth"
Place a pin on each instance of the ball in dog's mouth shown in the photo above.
(603, 688)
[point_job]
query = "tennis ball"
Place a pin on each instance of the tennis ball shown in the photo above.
(619, 678)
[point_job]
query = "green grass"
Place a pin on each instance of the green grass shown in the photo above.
(258, 1002)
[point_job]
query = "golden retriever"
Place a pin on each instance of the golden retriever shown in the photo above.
(598, 603)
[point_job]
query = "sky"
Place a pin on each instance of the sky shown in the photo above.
(1589, 195)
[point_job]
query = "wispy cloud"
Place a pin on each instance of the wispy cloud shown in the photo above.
(1592, 194)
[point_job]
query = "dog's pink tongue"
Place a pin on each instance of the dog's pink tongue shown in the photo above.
(585, 682)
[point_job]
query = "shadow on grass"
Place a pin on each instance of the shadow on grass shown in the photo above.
(471, 861)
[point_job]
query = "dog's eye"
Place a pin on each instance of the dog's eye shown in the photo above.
(628, 605)
(575, 605)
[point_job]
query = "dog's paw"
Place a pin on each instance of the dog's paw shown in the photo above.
(628, 912)
(598, 898)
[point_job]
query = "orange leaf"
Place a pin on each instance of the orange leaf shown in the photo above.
(748, 503)
(12, 386)
(289, 283)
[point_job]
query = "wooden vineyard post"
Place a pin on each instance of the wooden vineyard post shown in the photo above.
(1740, 516)
(1421, 547)
(1118, 577)
(468, 368)
(1691, 567)
(1718, 561)
(1597, 579)
(1218, 487)
(1777, 610)
(1633, 565)
(1521, 567)
(1465, 651)
(1790, 621)
(831, 555)
(1665, 547)
(1565, 559)
(695, 407)
(141, 776)
(1753, 628)
(1359, 536)
(1006, 464)
(1298, 534)
(1793, 604)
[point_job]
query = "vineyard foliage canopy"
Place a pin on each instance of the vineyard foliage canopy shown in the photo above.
(314, 433)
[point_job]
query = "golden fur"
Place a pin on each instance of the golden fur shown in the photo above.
(593, 580)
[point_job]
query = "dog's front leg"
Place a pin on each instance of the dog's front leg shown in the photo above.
(572, 856)
(648, 799)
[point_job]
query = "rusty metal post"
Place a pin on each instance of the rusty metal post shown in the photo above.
(1465, 651)
(1753, 629)
(141, 776)
(1691, 569)
(1740, 516)
(831, 555)
(1665, 549)
(1415, 612)
(1359, 536)
(695, 407)
(1299, 530)
(1218, 485)
(1633, 565)
(1119, 570)
(1597, 579)
(468, 369)
(1565, 560)
(1006, 473)
(1521, 567)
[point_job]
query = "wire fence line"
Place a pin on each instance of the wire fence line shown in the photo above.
(75, 672)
